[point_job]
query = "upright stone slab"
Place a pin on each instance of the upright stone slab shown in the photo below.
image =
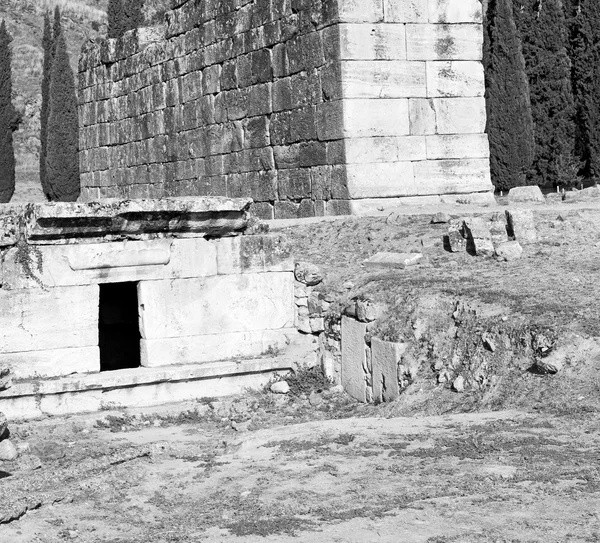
(522, 225)
(354, 358)
(385, 358)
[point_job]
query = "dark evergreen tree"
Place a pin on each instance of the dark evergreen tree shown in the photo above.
(57, 29)
(9, 119)
(585, 58)
(116, 18)
(509, 120)
(62, 162)
(134, 14)
(544, 36)
(48, 47)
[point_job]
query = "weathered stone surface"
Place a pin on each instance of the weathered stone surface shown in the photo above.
(216, 305)
(5, 378)
(280, 387)
(509, 250)
(60, 318)
(8, 451)
(479, 236)
(441, 218)
(526, 194)
(521, 223)
(367, 310)
(200, 349)
(88, 263)
(52, 363)
(3, 424)
(307, 273)
(253, 254)
(550, 364)
(354, 358)
(385, 357)
(392, 260)
(9, 226)
(459, 384)
(456, 238)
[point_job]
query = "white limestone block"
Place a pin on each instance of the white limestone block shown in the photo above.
(94, 263)
(406, 11)
(216, 305)
(386, 357)
(421, 114)
(253, 254)
(453, 176)
(455, 11)
(459, 115)
(457, 146)
(360, 11)
(357, 118)
(372, 42)
(385, 206)
(354, 358)
(52, 363)
(385, 149)
(381, 180)
(444, 42)
(455, 78)
(383, 79)
(58, 318)
(211, 348)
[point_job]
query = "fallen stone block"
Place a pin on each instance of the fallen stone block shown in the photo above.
(498, 229)
(456, 236)
(441, 218)
(551, 364)
(479, 238)
(367, 310)
(354, 358)
(509, 251)
(392, 260)
(385, 357)
(526, 194)
(3, 424)
(522, 225)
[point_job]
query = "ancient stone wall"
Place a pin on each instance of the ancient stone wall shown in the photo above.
(310, 107)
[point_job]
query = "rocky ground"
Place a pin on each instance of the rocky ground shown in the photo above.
(513, 457)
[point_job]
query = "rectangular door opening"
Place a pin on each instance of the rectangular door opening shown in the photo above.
(119, 331)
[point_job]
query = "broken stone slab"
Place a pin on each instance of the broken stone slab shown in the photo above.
(509, 251)
(456, 236)
(308, 274)
(367, 310)
(8, 451)
(280, 387)
(354, 358)
(441, 218)
(526, 194)
(551, 364)
(48, 222)
(386, 357)
(5, 379)
(498, 229)
(522, 225)
(397, 261)
(479, 237)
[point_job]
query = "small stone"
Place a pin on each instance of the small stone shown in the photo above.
(280, 387)
(440, 218)
(509, 251)
(29, 462)
(459, 384)
(392, 260)
(367, 311)
(5, 379)
(489, 342)
(337, 389)
(8, 451)
(3, 424)
(550, 364)
(303, 324)
(307, 273)
(348, 285)
(315, 399)
(302, 302)
(526, 194)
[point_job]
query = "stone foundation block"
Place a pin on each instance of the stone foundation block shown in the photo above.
(253, 254)
(386, 357)
(354, 358)
(522, 225)
(54, 363)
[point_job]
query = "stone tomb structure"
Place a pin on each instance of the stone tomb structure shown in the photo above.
(140, 302)
(316, 107)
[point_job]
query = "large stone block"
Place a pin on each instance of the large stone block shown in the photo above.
(457, 146)
(211, 348)
(385, 149)
(360, 11)
(385, 358)
(381, 180)
(58, 318)
(406, 11)
(354, 358)
(216, 305)
(455, 11)
(452, 176)
(444, 42)
(383, 79)
(459, 115)
(253, 254)
(116, 262)
(455, 78)
(52, 363)
(372, 42)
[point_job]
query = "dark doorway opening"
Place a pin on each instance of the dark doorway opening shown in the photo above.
(119, 331)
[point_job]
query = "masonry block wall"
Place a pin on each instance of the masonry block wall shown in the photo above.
(310, 107)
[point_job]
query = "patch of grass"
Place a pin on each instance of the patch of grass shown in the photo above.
(268, 526)
(307, 380)
(297, 445)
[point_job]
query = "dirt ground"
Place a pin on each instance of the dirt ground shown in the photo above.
(435, 466)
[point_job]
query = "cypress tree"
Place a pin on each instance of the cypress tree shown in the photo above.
(57, 29)
(543, 31)
(47, 46)
(585, 58)
(509, 119)
(116, 18)
(62, 161)
(134, 14)
(9, 119)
